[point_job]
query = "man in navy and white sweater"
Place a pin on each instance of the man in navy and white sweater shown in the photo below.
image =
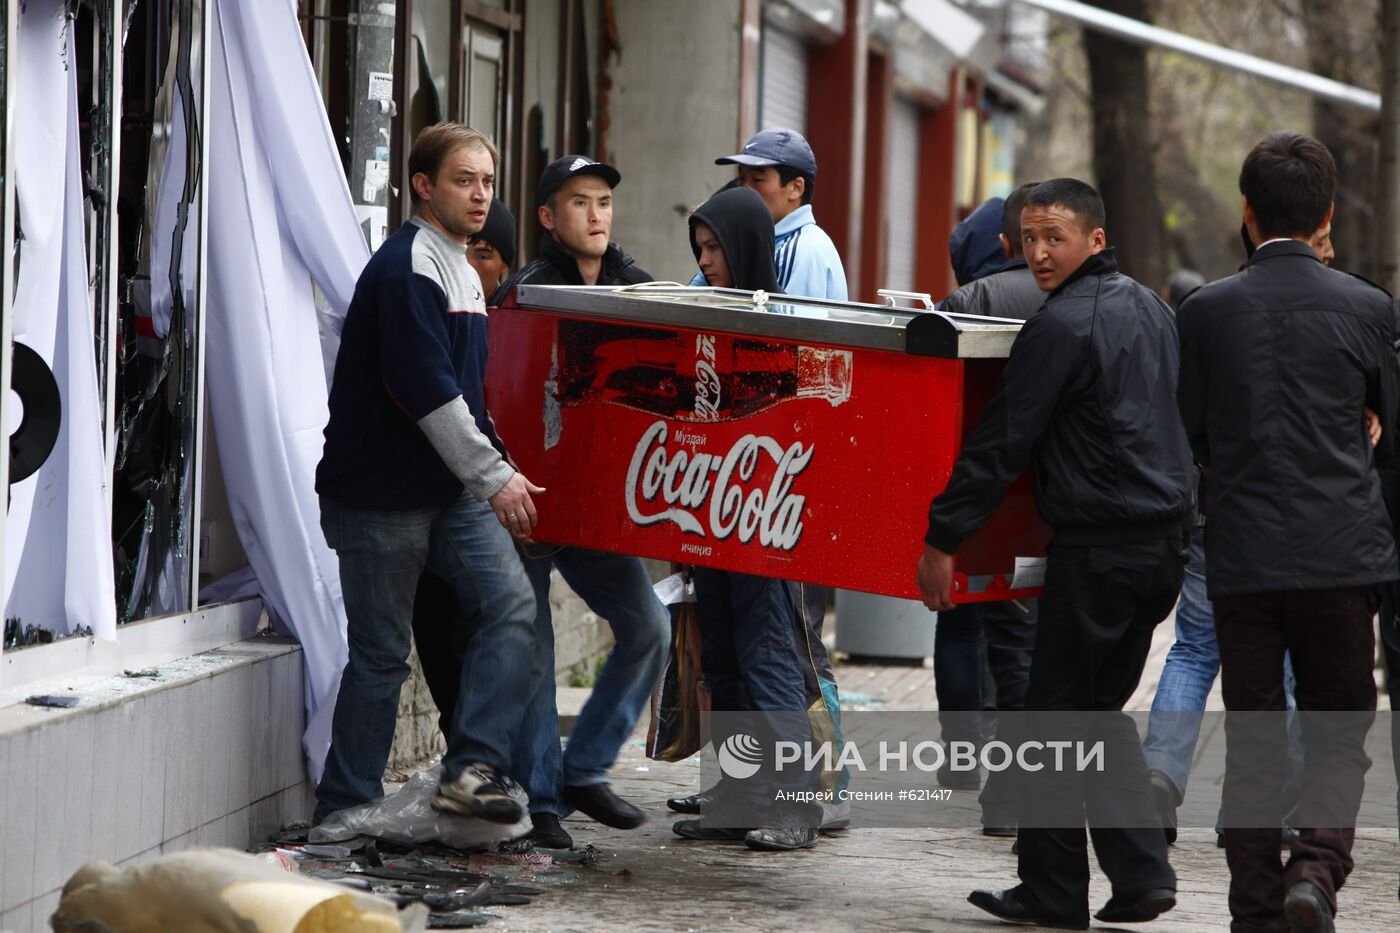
(413, 477)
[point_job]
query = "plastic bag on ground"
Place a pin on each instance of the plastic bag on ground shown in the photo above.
(408, 818)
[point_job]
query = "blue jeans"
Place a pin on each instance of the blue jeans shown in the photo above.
(618, 589)
(1192, 665)
(382, 555)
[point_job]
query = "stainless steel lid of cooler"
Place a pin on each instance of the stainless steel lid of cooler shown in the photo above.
(782, 317)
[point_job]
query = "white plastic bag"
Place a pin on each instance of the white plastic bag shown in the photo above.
(408, 817)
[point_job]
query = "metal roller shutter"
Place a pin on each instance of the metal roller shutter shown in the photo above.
(902, 213)
(782, 97)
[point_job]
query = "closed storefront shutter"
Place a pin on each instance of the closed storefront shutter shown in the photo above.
(902, 210)
(783, 88)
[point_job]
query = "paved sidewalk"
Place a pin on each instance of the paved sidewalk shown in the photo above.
(865, 879)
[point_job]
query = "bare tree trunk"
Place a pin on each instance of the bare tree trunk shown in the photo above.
(1387, 228)
(1124, 148)
(1338, 36)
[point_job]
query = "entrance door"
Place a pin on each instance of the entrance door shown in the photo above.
(483, 78)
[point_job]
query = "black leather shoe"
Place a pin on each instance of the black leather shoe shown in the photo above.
(706, 831)
(1306, 909)
(692, 804)
(599, 802)
(1006, 832)
(781, 838)
(1146, 906)
(1010, 906)
(958, 780)
(1164, 794)
(547, 833)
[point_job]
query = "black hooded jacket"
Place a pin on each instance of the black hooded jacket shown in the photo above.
(555, 265)
(1089, 395)
(744, 228)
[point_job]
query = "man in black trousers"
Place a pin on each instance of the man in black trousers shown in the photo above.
(1278, 364)
(1088, 395)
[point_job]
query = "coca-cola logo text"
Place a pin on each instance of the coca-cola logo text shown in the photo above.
(707, 386)
(686, 481)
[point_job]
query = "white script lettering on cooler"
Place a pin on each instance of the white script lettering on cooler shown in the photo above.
(686, 481)
(706, 379)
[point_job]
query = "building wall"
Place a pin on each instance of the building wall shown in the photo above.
(208, 753)
(670, 113)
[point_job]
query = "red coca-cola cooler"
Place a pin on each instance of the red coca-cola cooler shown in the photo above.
(786, 437)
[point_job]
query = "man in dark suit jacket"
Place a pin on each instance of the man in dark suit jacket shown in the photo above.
(1277, 364)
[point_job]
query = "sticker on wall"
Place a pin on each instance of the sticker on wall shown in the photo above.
(376, 177)
(381, 85)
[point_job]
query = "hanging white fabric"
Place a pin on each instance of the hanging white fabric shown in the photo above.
(58, 554)
(280, 218)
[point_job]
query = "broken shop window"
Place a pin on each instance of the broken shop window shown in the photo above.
(154, 381)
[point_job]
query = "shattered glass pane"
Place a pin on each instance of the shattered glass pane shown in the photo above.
(94, 29)
(157, 210)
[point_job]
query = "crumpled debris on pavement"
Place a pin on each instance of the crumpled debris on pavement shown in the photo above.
(448, 882)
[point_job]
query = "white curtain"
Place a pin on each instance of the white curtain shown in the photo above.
(280, 218)
(58, 534)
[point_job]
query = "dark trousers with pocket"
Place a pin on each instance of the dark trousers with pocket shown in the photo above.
(1098, 610)
(749, 629)
(1329, 636)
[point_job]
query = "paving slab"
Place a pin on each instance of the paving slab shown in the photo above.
(865, 878)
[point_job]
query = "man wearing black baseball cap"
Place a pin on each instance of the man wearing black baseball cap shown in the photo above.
(574, 203)
(779, 165)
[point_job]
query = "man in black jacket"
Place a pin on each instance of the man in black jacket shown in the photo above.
(575, 201)
(1278, 363)
(1088, 394)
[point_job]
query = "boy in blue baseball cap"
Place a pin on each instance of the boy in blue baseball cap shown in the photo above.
(779, 165)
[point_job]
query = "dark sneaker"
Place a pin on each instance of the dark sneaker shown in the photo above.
(548, 833)
(781, 838)
(1306, 909)
(480, 790)
(1141, 908)
(599, 802)
(1164, 795)
(706, 831)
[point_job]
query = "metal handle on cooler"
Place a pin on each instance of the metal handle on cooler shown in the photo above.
(891, 294)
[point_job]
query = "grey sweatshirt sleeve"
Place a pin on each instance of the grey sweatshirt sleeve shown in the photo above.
(452, 431)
